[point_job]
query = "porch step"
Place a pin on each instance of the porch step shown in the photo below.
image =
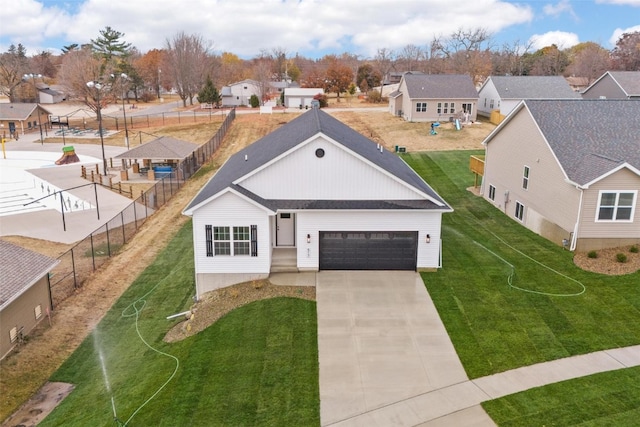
(283, 260)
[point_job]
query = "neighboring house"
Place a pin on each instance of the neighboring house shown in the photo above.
(577, 84)
(434, 97)
(295, 97)
(239, 93)
(18, 118)
(568, 170)
(49, 95)
(320, 193)
(25, 295)
(504, 93)
(615, 85)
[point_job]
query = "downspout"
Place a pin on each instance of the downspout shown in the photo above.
(574, 237)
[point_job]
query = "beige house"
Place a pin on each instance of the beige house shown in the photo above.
(615, 85)
(568, 170)
(25, 296)
(434, 97)
(18, 118)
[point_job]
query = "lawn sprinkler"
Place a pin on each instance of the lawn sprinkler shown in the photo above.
(115, 416)
(433, 128)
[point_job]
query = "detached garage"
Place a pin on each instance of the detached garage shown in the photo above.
(368, 250)
(320, 195)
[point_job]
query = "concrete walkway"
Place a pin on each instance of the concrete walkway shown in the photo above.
(386, 359)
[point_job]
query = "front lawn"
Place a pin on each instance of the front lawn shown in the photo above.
(550, 310)
(258, 365)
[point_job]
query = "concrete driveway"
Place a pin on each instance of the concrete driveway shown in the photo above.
(381, 343)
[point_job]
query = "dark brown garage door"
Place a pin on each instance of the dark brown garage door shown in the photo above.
(368, 250)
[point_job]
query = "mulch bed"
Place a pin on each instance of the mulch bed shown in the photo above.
(607, 263)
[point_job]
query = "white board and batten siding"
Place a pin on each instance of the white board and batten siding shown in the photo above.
(343, 177)
(312, 222)
(231, 210)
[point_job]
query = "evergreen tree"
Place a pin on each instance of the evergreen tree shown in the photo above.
(254, 101)
(209, 94)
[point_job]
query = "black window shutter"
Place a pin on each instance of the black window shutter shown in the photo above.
(254, 240)
(209, 238)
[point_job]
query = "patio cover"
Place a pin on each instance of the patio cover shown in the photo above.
(163, 148)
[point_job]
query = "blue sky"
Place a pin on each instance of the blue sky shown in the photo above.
(313, 28)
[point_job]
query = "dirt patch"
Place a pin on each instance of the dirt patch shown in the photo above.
(607, 263)
(215, 304)
(40, 405)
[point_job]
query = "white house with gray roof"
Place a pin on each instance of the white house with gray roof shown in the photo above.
(615, 85)
(504, 93)
(434, 97)
(25, 295)
(569, 170)
(319, 193)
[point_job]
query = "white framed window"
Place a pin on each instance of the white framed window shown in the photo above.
(421, 107)
(439, 107)
(616, 205)
(525, 177)
(446, 107)
(221, 241)
(241, 240)
(38, 311)
(519, 214)
(492, 192)
(453, 108)
(491, 104)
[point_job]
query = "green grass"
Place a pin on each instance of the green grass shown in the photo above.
(258, 365)
(496, 327)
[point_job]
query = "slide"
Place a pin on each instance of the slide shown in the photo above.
(457, 124)
(68, 156)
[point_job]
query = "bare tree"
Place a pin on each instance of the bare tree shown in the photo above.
(508, 61)
(13, 65)
(467, 51)
(410, 57)
(186, 63)
(626, 54)
(588, 60)
(385, 61)
(262, 73)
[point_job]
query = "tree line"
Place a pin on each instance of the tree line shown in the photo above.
(188, 65)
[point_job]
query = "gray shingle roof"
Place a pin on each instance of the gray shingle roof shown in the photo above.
(533, 87)
(629, 81)
(18, 111)
(590, 137)
(295, 132)
(440, 86)
(19, 270)
(164, 147)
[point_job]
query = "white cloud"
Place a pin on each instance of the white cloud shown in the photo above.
(618, 32)
(635, 3)
(560, 38)
(246, 26)
(564, 6)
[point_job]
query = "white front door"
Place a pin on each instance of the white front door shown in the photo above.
(285, 225)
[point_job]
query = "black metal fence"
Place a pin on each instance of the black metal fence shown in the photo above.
(78, 263)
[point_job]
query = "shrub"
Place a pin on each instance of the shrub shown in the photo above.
(633, 249)
(592, 254)
(254, 101)
(147, 96)
(621, 257)
(374, 96)
(322, 98)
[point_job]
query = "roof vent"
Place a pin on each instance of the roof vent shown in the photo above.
(246, 157)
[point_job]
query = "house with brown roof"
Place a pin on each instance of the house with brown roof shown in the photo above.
(18, 118)
(25, 294)
(615, 85)
(434, 97)
(568, 170)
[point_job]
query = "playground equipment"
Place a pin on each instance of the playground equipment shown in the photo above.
(68, 156)
(433, 128)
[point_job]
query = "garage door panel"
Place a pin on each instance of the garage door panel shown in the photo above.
(372, 250)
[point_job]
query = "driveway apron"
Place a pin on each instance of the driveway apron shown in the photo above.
(380, 342)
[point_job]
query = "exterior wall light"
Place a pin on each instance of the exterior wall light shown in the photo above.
(308, 238)
(428, 238)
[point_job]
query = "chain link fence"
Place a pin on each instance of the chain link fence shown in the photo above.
(78, 263)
